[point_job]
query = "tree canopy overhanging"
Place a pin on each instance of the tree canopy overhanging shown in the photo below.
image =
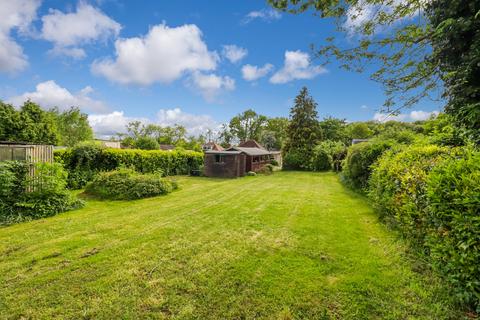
(417, 48)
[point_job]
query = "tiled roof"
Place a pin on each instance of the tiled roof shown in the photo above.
(252, 151)
(251, 144)
(222, 152)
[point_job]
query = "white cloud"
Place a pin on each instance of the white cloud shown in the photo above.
(296, 66)
(48, 94)
(265, 15)
(211, 85)
(362, 12)
(15, 14)
(107, 125)
(234, 53)
(422, 115)
(163, 55)
(252, 73)
(363, 106)
(68, 31)
(415, 115)
(195, 124)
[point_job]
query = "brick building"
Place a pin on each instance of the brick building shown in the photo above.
(236, 161)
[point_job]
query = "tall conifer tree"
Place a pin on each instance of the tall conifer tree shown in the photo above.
(303, 132)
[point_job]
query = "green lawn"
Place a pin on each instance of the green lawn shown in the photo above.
(286, 246)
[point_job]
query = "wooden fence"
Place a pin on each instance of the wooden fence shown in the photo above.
(31, 154)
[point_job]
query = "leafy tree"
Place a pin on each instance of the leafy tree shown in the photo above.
(226, 137)
(173, 135)
(333, 129)
(39, 126)
(10, 125)
(441, 131)
(29, 124)
(303, 131)
(73, 127)
(359, 130)
(135, 129)
(410, 45)
(274, 133)
(335, 151)
(247, 125)
(146, 143)
(456, 50)
(193, 143)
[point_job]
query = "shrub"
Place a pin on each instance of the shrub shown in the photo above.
(295, 159)
(146, 143)
(251, 173)
(398, 184)
(403, 136)
(328, 155)
(453, 215)
(274, 163)
(23, 197)
(359, 159)
(82, 169)
(321, 160)
(125, 184)
(81, 162)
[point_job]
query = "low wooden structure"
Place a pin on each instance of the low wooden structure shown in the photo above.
(236, 161)
(212, 146)
(28, 153)
(109, 143)
(227, 164)
(31, 153)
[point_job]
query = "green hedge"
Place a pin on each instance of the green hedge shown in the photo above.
(397, 186)
(453, 193)
(360, 157)
(432, 195)
(174, 162)
(127, 184)
(83, 163)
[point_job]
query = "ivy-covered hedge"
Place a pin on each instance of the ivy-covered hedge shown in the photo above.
(84, 162)
(432, 195)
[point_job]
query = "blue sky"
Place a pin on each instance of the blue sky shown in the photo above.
(197, 63)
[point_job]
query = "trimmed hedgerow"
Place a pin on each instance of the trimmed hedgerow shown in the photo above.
(81, 162)
(360, 157)
(397, 186)
(453, 215)
(84, 163)
(174, 162)
(127, 184)
(432, 195)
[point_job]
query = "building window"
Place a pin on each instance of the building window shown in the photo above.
(219, 158)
